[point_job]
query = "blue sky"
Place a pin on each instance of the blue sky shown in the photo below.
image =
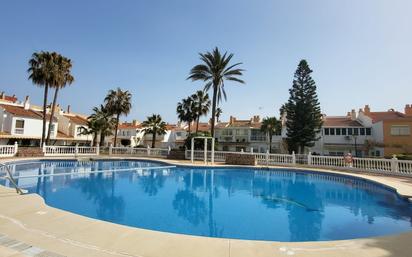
(360, 51)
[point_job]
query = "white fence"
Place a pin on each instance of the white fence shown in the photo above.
(70, 150)
(261, 158)
(143, 152)
(383, 166)
(8, 150)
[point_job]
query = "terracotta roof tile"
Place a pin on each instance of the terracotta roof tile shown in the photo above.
(340, 122)
(126, 125)
(21, 112)
(77, 119)
(389, 115)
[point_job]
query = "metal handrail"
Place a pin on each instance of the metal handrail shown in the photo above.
(11, 179)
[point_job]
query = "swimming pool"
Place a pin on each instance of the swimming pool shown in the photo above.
(241, 203)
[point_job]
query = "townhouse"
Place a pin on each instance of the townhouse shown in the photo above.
(22, 122)
(245, 135)
(343, 134)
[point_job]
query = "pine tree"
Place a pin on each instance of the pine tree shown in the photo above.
(303, 115)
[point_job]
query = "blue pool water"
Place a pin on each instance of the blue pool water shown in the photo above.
(278, 205)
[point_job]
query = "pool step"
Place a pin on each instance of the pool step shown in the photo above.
(24, 249)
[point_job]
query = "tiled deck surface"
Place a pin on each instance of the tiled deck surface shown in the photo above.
(39, 230)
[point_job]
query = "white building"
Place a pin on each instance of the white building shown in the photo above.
(238, 135)
(22, 124)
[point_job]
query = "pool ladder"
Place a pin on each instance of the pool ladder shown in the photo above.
(9, 176)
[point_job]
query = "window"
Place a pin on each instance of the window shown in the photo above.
(350, 131)
(356, 131)
(368, 131)
(362, 131)
(332, 131)
(343, 130)
(326, 131)
(79, 131)
(52, 129)
(19, 128)
(400, 130)
(338, 131)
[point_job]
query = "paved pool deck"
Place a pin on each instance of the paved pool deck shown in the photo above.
(28, 227)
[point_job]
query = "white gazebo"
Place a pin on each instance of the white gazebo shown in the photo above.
(205, 149)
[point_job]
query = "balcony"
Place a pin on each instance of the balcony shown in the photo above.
(19, 131)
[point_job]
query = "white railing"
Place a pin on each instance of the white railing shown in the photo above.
(383, 166)
(8, 150)
(70, 150)
(144, 152)
(386, 166)
(261, 158)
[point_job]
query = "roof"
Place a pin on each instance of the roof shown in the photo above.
(77, 119)
(8, 98)
(340, 122)
(21, 112)
(244, 123)
(389, 115)
(126, 125)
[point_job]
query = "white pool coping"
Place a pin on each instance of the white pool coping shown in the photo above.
(28, 219)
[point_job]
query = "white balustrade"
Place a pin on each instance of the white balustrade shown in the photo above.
(70, 150)
(143, 152)
(8, 150)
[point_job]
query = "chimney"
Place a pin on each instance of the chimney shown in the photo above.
(2, 95)
(27, 103)
(408, 110)
(232, 119)
(348, 114)
(353, 114)
(367, 110)
(256, 119)
(135, 123)
(68, 108)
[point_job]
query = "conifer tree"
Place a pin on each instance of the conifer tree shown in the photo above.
(303, 114)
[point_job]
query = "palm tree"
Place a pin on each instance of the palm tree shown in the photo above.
(42, 73)
(154, 125)
(214, 70)
(103, 122)
(118, 102)
(202, 105)
(91, 128)
(270, 127)
(63, 77)
(218, 113)
(186, 111)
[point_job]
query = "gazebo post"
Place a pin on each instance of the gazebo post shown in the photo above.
(213, 151)
(191, 149)
(205, 151)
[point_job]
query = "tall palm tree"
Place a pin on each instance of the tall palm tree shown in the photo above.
(214, 71)
(118, 102)
(154, 125)
(186, 111)
(202, 105)
(42, 73)
(63, 77)
(218, 113)
(270, 127)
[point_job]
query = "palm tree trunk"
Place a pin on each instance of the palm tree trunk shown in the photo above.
(52, 114)
(43, 133)
(197, 124)
(270, 143)
(189, 127)
(212, 129)
(117, 126)
(154, 139)
(102, 138)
